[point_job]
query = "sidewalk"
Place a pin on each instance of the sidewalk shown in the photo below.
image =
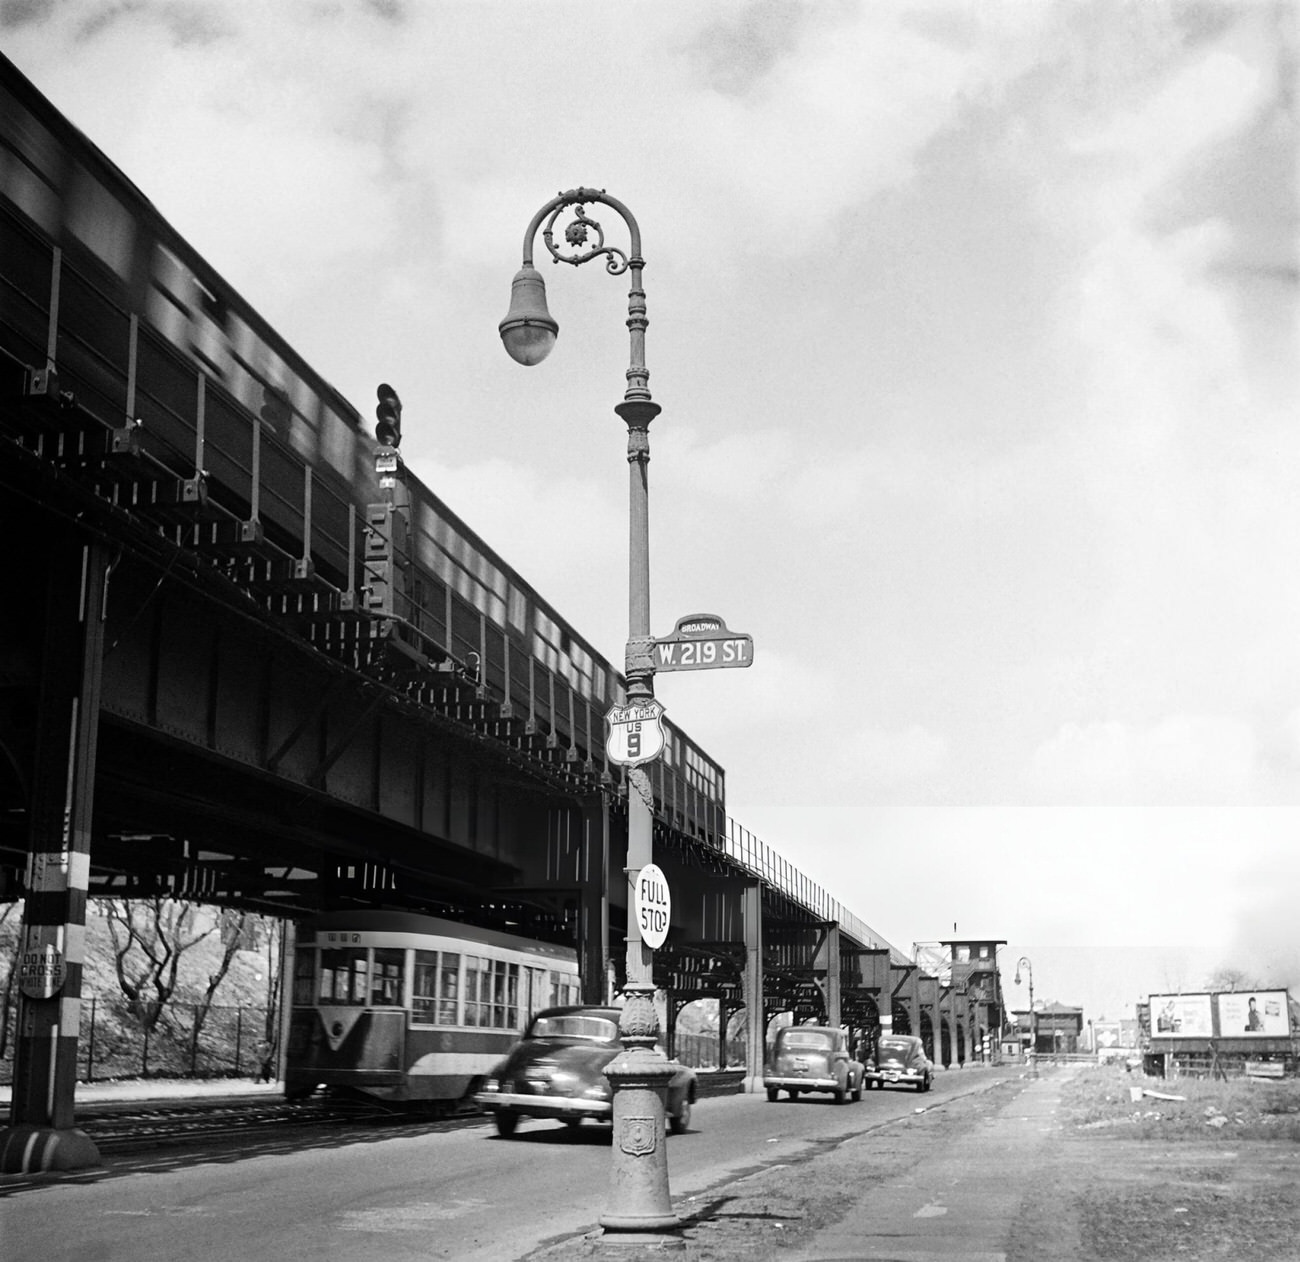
(961, 1204)
(127, 1089)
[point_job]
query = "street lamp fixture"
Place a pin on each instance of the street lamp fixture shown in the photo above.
(639, 1074)
(1025, 963)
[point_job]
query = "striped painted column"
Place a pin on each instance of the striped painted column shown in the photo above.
(42, 1135)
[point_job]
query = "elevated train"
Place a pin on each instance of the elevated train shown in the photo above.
(103, 302)
(413, 1008)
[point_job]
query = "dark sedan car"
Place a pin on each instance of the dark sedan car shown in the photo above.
(558, 1070)
(900, 1058)
(812, 1058)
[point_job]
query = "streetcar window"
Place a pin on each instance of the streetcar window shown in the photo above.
(386, 977)
(424, 988)
(343, 976)
(491, 993)
(449, 989)
(478, 991)
(564, 990)
(304, 976)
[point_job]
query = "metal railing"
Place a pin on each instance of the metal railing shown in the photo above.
(758, 858)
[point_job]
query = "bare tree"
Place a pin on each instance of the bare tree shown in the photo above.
(149, 936)
(10, 934)
(234, 926)
(1227, 977)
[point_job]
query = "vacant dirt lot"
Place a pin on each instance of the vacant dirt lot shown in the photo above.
(1120, 1181)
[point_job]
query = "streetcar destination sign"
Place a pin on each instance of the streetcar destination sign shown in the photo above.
(701, 641)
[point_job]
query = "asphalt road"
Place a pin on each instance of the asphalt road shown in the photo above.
(464, 1194)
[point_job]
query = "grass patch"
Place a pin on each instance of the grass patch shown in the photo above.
(1098, 1099)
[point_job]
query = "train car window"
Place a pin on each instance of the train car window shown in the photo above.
(449, 989)
(669, 755)
(30, 161)
(304, 976)
(337, 442)
(101, 222)
(343, 976)
(517, 609)
(386, 977)
(169, 308)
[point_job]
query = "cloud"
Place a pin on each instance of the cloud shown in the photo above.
(882, 760)
(1182, 758)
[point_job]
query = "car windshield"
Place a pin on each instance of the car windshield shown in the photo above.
(893, 1048)
(575, 1025)
(813, 1039)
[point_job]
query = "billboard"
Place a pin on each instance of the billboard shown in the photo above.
(1181, 1017)
(1254, 1014)
(1261, 1014)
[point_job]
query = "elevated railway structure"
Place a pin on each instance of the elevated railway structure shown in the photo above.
(248, 658)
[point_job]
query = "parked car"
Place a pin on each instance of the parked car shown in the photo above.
(900, 1058)
(557, 1069)
(813, 1058)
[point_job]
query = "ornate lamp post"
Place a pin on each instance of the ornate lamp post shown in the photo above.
(1025, 963)
(639, 1075)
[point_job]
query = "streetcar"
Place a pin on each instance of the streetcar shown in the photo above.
(413, 1008)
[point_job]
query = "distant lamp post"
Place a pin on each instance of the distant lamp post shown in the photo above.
(1025, 963)
(639, 1075)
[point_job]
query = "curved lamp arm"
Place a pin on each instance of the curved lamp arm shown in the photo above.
(529, 330)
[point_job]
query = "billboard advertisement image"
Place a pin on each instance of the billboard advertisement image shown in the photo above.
(1181, 1017)
(1259, 1013)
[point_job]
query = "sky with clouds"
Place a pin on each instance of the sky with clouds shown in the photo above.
(974, 328)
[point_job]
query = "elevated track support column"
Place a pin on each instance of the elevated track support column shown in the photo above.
(41, 1134)
(755, 1010)
(594, 929)
(833, 988)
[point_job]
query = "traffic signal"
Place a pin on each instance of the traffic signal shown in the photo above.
(389, 428)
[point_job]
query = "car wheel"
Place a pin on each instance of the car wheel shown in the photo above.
(794, 1093)
(839, 1095)
(771, 1095)
(572, 1123)
(507, 1122)
(681, 1120)
(857, 1093)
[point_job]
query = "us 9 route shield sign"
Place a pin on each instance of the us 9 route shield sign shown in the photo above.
(635, 733)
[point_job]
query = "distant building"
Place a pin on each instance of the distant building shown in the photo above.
(1058, 1025)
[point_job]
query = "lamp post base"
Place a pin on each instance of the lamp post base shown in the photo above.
(639, 1200)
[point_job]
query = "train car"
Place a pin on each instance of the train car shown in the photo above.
(103, 302)
(407, 1007)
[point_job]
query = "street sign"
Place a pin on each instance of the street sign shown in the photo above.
(41, 971)
(701, 641)
(635, 732)
(652, 905)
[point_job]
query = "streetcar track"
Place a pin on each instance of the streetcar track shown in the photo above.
(122, 1131)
